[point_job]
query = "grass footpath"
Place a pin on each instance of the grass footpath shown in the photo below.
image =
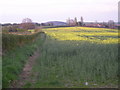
(73, 63)
(13, 61)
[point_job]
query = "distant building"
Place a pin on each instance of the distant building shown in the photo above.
(111, 24)
(97, 25)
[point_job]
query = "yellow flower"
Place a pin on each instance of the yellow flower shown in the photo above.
(93, 35)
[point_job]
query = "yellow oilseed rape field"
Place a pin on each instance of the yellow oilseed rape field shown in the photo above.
(94, 35)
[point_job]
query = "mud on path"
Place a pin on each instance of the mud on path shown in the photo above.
(24, 77)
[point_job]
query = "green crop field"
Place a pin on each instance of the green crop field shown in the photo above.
(74, 56)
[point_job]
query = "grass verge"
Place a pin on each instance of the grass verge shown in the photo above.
(13, 61)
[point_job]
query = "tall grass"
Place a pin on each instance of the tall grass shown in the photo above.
(72, 63)
(13, 60)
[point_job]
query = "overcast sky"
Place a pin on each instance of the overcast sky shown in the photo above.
(13, 11)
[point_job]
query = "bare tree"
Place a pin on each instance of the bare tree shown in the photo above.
(82, 21)
(27, 20)
(27, 24)
(68, 21)
(75, 21)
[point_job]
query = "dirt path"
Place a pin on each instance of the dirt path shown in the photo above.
(27, 72)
